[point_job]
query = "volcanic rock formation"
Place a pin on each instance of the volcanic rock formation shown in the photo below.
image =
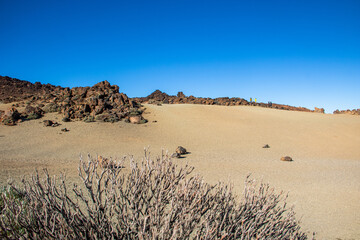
(159, 98)
(102, 102)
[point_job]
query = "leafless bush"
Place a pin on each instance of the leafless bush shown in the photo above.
(156, 200)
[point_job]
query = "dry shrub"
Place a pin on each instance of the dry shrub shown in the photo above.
(156, 200)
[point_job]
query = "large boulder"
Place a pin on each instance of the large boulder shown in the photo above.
(33, 112)
(10, 116)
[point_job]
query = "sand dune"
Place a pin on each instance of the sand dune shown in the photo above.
(225, 143)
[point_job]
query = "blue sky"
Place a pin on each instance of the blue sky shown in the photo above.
(302, 53)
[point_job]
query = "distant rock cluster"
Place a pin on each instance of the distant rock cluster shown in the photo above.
(350, 112)
(102, 102)
(158, 97)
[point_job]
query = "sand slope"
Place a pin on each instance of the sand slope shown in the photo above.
(225, 144)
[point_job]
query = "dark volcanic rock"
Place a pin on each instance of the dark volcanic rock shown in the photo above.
(33, 112)
(10, 117)
(102, 101)
(48, 123)
(159, 97)
(12, 89)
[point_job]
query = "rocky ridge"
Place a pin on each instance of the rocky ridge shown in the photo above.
(102, 102)
(159, 97)
(348, 111)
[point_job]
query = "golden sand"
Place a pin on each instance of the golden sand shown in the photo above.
(226, 144)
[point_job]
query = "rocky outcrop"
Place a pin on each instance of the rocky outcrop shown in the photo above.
(12, 89)
(319, 110)
(10, 117)
(159, 98)
(350, 112)
(101, 102)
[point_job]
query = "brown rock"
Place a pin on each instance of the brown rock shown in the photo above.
(286, 159)
(33, 112)
(12, 113)
(180, 150)
(175, 155)
(48, 123)
(319, 110)
(181, 95)
(135, 119)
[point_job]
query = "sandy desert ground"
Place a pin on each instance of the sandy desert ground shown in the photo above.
(225, 143)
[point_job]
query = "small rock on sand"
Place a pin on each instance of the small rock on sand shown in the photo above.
(180, 150)
(175, 155)
(286, 159)
(48, 123)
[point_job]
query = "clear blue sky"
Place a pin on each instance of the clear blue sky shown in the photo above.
(302, 53)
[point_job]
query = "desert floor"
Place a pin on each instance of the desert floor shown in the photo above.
(323, 181)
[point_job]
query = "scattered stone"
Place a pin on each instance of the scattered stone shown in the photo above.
(175, 155)
(266, 146)
(55, 124)
(180, 150)
(48, 123)
(286, 159)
